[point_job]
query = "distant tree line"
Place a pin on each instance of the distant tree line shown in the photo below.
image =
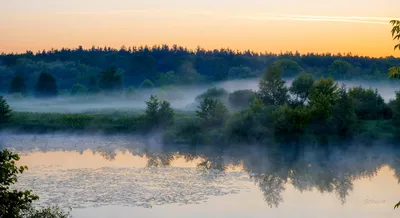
(78, 70)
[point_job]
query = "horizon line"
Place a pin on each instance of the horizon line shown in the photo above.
(186, 48)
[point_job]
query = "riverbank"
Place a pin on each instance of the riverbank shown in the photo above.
(186, 128)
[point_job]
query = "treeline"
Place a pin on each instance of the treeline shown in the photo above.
(310, 110)
(80, 69)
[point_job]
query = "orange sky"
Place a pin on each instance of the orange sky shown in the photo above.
(332, 26)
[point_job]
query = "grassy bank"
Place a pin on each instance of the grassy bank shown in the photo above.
(186, 127)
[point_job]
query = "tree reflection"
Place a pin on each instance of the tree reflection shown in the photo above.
(273, 168)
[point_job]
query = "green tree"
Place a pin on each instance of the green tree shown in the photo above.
(290, 121)
(93, 85)
(272, 90)
(111, 79)
(253, 125)
(323, 97)
(168, 78)
(159, 114)
(213, 93)
(369, 104)
(188, 74)
(46, 86)
(289, 67)
(12, 202)
(340, 68)
(78, 89)
(241, 98)
(301, 87)
(344, 114)
(146, 84)
(212, 112)
(151, 112)
(166, 114)
(18, 85)
(5, 111)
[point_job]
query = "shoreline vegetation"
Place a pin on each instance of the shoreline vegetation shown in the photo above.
(316, 111)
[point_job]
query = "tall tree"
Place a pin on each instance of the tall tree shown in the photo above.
(93, 85)
(46, 86)
(272, 87)
(212, 112)
(18, 85)
(159, 114)
(111, 79)
(5, 111)
(344, 114)
(301, 87)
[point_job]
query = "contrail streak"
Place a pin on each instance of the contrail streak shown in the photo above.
(233, 15)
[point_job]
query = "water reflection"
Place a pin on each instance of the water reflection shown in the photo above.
(146, 176)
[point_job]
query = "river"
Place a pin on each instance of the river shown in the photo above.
(128, 176)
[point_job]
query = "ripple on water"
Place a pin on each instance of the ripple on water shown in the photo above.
(141, 187)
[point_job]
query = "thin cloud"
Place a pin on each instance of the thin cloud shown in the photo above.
(232, 15)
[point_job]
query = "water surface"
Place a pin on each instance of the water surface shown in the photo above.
(127, 176)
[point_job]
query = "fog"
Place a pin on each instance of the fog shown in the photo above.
(181, 98)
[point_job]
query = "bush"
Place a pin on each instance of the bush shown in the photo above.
(272, 90)
(159, 114)
(212, 112)
(46, 86)
(301, 87)
(291, 121)
(78, 89)
(213, 93)
(369, 105)
(241, 99)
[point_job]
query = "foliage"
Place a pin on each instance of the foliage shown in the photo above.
(395, 71)
(241, 72)
(369, 104)
(146, 84)
(78, 89)
(396, 32)
(48, 212)
(111, 79)
(340, 69)
(168, 78)
(18, 85)
(344, 119)
(213, 93)
(301, 87)
(93, 85)
(291, 121)
(5, 111)
(159, 114)
(272, 90)
(289, 67)
(212, 112)
(71, 66)
(46, 86)
(12, 202)
(323, 97)
(241, 98)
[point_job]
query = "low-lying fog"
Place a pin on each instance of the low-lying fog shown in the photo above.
(182, 98)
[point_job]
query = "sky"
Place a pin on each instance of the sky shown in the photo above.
(347, 26)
